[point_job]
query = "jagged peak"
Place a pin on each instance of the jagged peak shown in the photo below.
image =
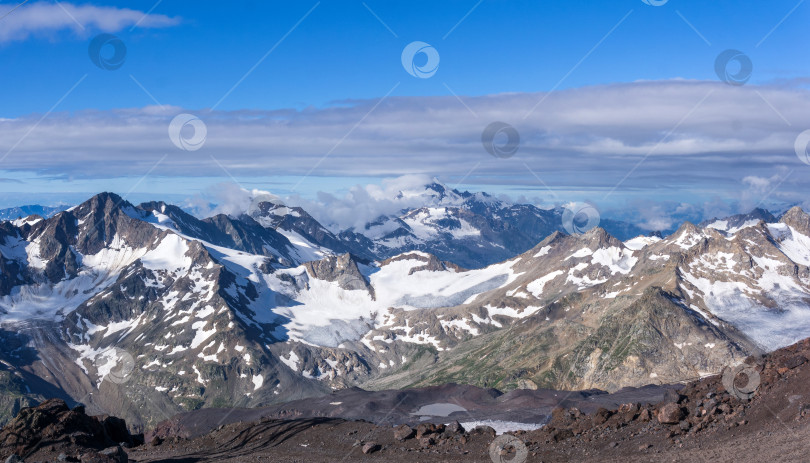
(437, 193)
(437, 185)
(596, 232)
(686, 227)
(552, 238)
(595, 238)
(550, 241)
(267, 204)
(738, 221)
(599, 237)
(160, 206)
(164, 208)
(107, 197)
(795, 210)
(341, 269)
(760, 212)
(797, 218)
(104, 205)
(436, 190)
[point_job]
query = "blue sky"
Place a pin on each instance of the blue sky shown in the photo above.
(341, 51)
(326, 79)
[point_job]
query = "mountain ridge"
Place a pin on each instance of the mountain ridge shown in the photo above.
(146, 310)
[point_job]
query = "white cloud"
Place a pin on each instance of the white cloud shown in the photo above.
(656, 217)
(757, 190)
(226, 198)
(365, 203)
(42, 18)
(360, 205)
(585, 139)
(759, 183)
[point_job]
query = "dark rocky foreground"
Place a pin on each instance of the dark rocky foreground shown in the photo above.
(54, 432)
(762, 414)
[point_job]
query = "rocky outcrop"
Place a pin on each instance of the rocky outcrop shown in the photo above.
(797, 219)
(753, 390)
(431, 263)
(52, 429)
(341, 269)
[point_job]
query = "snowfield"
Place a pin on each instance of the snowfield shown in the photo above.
(326, 314)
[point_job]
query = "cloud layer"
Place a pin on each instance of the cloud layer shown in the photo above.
(362, 204)
(43, 18)
(662, 138)
(365, 203)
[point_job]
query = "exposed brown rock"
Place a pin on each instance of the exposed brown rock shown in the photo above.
(645, 415)
(371, 447)
(424, 429)
(341, 269)
(403, 432)
(426, 441)
(669, 414)
(454, 428)
(78, 433)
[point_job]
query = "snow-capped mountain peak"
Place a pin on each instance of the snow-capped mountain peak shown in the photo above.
(434, 193)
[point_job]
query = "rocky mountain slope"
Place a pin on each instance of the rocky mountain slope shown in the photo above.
(114, 309)
(589, 311)
(737, 222)
(145, 311)
(755, 411)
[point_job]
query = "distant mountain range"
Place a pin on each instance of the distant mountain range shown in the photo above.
(13, 213)
(472, 230)
(143, 311)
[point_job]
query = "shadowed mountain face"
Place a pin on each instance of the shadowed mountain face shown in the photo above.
(739, 221)
(146, 311)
